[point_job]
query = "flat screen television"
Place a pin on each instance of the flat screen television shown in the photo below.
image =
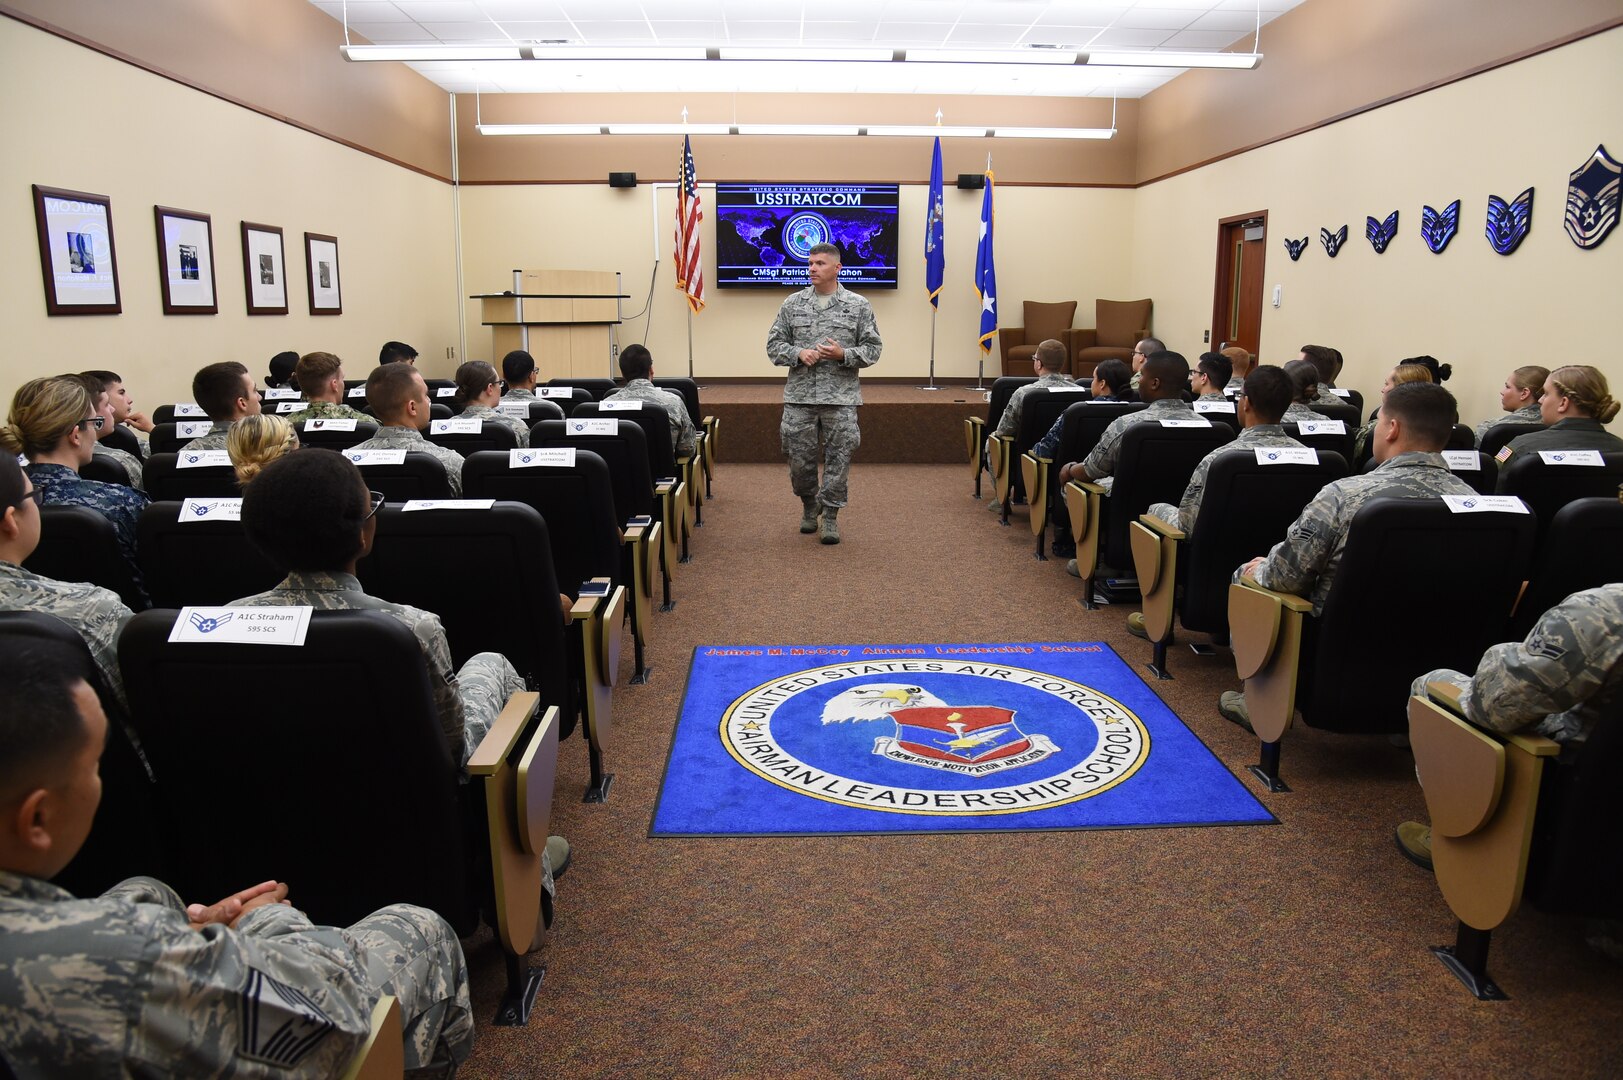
(764, 233)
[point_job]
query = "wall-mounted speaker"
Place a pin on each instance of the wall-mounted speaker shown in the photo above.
(971, 181)
(622, 179)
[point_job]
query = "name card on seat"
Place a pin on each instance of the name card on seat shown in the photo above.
(1571, 457)
(332, 423)
(1338, 392)
(562, 457)
(445, 391)
(376, 457)
(593, 427)
(1481, 504)
(556, 391)
(192, 429)
(1067, 390)
(1192, 422)
(210, 510)
(449, 504)
(1322, 427)
(518, 410)
(618, 405)
(188, 408)
(280, 393)
(242, 625)
(356, 391)
(1214, 406)
(285, 407)
(457, 425)
(201, 459)
(1463, 460)
(1287, 455)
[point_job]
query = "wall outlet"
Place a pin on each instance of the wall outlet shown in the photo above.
(1206, 338)
(450, 350)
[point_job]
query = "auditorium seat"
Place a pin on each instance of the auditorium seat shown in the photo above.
(1247, 507)
(540, 409)
(78, 544)
(662, 460)
(704, 426)
(1038, 412)
(490, 436)
(595, 387)
(419, 476)
(1513, 818)
(187, 475)
(1081, 427)
(976, 429)
(122, 438)
(1338, 411)
(1341, 443)
(327, 436)
(1582, 548)
(167, 438)
(1547, 486)
(186, 560)
(1500, 434)
(105, 470)
(1473, 466)
(1397, 552)
(169, 414)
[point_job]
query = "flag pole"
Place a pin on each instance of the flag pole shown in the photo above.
(690, 341)
(933, 248)
(932, 386)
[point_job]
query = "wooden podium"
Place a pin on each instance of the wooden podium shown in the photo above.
(563, 318)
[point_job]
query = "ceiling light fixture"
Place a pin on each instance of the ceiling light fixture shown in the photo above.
(992, 56)
(1167, 59)
(798, 129)
(822, 55)
(425, 53)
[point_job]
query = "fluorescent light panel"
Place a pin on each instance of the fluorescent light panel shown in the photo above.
(928, 131)
(541, 129)
(991, 56)
(1053, 133)
(828, 55)
(669, 129)
(882, 131)
(799, 129)
(1168, 59)
(633, 53)
(410, 53)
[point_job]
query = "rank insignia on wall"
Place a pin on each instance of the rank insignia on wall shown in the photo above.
(1509, 222)
(1380, 233)
(1437, 228)
(1332, 241)
(1592, 200)
(1296, 247)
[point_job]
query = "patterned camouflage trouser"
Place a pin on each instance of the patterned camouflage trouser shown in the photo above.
(413, 954)
(837, 425)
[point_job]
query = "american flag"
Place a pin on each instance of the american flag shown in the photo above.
(689, 212)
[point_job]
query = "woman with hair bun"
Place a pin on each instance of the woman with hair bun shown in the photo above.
(1519, 400)
(1439, 372)
(1575, 403)
(255, 441)
(478, 390)
(1406, 372)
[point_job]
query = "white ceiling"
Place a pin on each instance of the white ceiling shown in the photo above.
(1147, 25)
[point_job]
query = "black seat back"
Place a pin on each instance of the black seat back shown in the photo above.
(1582, 548)
(1039, 410)
(1327, 442)
(1003, 389)
(625, 453)
(360, 750)
(595, 387)
(1219, 412)
(490, 436)
(166, 414)
(545, 409)
(565, 397)
(1154, 466)
(688, 391)
(122, 438)
(105, 470)
(656, 430)
(1578, 807)
(78, 544)
(1548, 486)
(1461, 438)
(576, 501)
(170, 437)
(180, 476)
(1353, 399)
(1246, 509)
(186, 559)
(1473, 466)
(1338, 411)
(1500, 434)
(1085, 422)
(1401, 554)
(420, 476)
(326, 437)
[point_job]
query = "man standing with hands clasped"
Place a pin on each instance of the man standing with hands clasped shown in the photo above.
(824, 335)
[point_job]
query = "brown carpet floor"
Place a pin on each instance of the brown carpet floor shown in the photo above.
(1298, 949)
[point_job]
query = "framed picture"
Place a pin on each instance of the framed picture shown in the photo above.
(321, 271)
(186, 262)
(76, 252)
(264, 271)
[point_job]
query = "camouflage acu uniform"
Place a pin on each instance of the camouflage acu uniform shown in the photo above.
(131, 463)
(519, 428)
(525, 396)
(404, 438)
(1234, 386)
(1009, 423)
(115, 502)
(1527, 414)
(1213, 396)
(1574, 433)
(1304, 563)
(1298, 413)
(330, 410)
(1183, 515)
(96, 613)
(1101, 462)
(675, 408)
(1327, 397)
(1559, 681)
(821, 400)
(214, 440)
(121, 985)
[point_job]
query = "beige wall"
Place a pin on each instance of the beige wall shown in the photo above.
(1052, 244)
(116, 130)
(1525, 124)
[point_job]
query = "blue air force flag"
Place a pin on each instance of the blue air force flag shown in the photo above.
(985, 274)
(935, 250)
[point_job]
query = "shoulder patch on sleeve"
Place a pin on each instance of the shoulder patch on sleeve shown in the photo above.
(1504, 453)
(279, 1025)
(1539, 645)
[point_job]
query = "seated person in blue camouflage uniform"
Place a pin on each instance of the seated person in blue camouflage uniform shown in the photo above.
(1519, 400)
(226, 392)
(130, 463)
(320, 377)
(311, 515)
(637, 368)
(53, 422)
(96, 613)
(256, 441)
(1415, 422)
(137, 983)
(124, 411)
(478, 390)
(398, 396)
(521, 375)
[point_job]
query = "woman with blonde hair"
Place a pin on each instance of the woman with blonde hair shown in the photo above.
(1405, 372)
(1519, 398)
(1575, 403)
(256, 441)
(478, 389)
(53, 422)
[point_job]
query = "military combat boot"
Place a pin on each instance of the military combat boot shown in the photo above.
(808, 514)
(831, 529)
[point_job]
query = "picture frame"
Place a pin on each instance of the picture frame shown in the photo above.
(186, 261)
(77, 258)
(321, 274)
(264, 269)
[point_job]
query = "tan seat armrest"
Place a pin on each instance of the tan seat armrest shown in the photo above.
(633, 533)
(504, 733)
(664, 487)
(1156, 525)
(1289, 600)
(1536, 745)
(1089, 485)
(1447, 695)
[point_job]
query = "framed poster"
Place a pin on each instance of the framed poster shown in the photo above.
(76, 252)
(321, 272)
(264, 270)
(186, 262)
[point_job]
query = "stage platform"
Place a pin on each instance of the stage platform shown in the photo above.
(901, 424)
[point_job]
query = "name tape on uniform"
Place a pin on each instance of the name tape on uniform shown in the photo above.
(331, 423)
(191, 429)
(1322, 427)
(555, 391)
(445, 391)
(280, 393)
(210, 510)
(284, 407)
(188, 408)
(1287, 455)
(242, 625)
(1214, 406)
(550, 457)
(1463, 460)
(449, 504)
(1482, 504)
(376, 457)
(518, 410)
(459, 425)
(593, 427)
(201, 459)
(617, 405)
(1193, 422)
(356, 391)
(1572, 457)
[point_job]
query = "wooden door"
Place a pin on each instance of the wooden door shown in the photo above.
(1237, 302)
